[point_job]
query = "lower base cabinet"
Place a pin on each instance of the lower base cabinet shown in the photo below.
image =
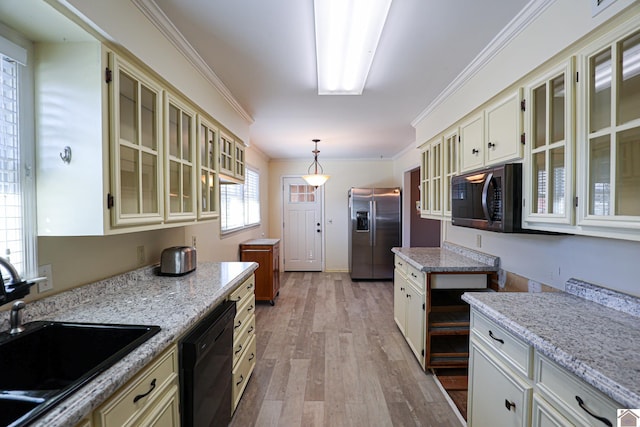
(510, 384)
(151, 398)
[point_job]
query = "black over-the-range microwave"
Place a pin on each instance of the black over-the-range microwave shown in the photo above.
(489, 199)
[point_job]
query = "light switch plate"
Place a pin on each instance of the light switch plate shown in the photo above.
(46, 284)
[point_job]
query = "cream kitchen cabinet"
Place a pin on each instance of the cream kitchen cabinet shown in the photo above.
(409, 306)
(208, 157)
(431, 179)
(608, 151)
(493, 135)
(151, 398)
(548, 166)
(450, 167)
(232, 162)
(244, 340)
(180, 159)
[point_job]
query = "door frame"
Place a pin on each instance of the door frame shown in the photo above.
(282, 217)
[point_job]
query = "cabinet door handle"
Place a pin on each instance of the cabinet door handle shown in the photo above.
(491, 145)
(250, 308)
(401, 288)
(140, 396)
(250, 330)
(501, 341)
(585, 409)
(238, 350)
(409, 296)
(474, 151)
(252, 357)
(240, 381)
(509, 405)
(238, 325)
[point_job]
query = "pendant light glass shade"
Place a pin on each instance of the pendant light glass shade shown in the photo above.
(316, 179)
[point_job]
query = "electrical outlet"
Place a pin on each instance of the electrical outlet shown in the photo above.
(141, 256)
(193, 241)
(534, 286)
(46, 284)
(478, 240)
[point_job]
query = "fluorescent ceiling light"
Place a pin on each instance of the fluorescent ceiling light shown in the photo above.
(347, 35)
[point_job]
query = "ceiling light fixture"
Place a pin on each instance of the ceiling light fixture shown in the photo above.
(347, 35)
(316, 179)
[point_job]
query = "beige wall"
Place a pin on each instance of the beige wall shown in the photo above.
(344, 175)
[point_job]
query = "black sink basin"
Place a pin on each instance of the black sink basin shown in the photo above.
(49, 360)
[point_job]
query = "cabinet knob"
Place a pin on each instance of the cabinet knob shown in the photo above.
(475, 151)
(491, 145)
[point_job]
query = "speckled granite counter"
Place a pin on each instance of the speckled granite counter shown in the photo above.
(139, 297)
(590, 331)
(447, 259)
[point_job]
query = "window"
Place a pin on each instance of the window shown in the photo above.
(17, 184)
(240, 203)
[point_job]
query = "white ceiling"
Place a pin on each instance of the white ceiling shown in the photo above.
(264, 52)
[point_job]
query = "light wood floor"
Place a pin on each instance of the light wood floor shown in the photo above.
(330, 354)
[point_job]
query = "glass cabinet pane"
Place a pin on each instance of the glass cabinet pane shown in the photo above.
(629, 78)
(202, 145)
(539, 182)
(128, 108)
(556, 185)
(129, 180)
(539, 127)
(210, 147)
(628, 173)
(186, 189)
(148, 118)
(174, 144)
(212, 191)
(204, 180)
(174, 186)
(600, 175)
(149, 183)
(600, 91)
(186, 137)
(557, 106)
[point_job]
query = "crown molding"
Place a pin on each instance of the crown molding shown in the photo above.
(517, 25)
(158, 18)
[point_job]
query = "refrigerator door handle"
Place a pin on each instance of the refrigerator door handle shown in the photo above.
(372, 234)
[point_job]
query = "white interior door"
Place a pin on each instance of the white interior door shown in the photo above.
(303, 226)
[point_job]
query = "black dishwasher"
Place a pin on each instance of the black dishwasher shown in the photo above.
(205, 369)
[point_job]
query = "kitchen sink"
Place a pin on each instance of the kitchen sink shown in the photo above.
(50, 360)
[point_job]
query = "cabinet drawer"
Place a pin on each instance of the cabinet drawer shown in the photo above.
(243, 315)
(242, 337)
(125, 406)
(563, 389)
(242, 372)
(416, 277)
(515, 351)
(243, 291)
(458, 281)
(400, 264)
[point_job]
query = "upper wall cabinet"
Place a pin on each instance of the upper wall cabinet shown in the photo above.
(493, 135)
(548, 167)
(136, 146)
(208, 154)
(232, 164)
(450, 166)
(180, 163)
(609, 135)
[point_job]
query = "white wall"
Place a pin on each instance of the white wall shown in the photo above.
(344, 175)
(548, 259)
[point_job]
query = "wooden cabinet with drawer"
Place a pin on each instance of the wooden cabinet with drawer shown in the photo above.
(244, 340)
(266, 252)
(151, 398)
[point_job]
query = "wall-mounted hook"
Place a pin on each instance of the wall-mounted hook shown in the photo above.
(66, 156)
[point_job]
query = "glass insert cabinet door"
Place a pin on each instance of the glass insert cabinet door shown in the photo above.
(549, 164)
(208, 199)
(180, 152)
(612, 146)
(135, 120)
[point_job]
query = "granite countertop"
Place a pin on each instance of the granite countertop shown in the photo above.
(448, 258)
(592, 332)
(265, 242)
(139, 297)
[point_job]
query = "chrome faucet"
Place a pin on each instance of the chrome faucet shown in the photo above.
(16, 288)
(15, 277)
(15, 318)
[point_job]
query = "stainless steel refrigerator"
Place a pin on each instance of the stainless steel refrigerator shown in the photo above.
(374, 228)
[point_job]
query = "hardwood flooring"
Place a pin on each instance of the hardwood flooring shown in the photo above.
(330, 354)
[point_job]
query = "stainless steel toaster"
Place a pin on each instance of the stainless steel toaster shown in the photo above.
(178, 260)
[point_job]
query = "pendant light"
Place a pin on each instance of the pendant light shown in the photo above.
(316, 179)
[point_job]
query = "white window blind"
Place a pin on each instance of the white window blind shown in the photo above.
(17, 193)
(240, 203)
